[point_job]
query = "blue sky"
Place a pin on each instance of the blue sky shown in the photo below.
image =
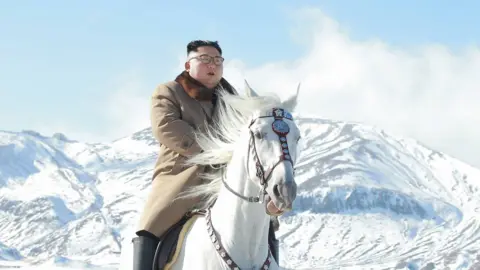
(63, 61)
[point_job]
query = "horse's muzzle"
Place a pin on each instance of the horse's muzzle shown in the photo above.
(281, 197)
(285, 194)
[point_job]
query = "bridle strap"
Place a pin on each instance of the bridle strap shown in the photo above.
(281, 129)
(248, 199)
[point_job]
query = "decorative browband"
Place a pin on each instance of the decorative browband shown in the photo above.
(282, 129)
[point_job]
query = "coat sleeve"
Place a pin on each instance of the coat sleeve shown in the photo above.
(167, 126)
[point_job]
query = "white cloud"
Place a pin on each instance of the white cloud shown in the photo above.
(427, 93)
(128, 107)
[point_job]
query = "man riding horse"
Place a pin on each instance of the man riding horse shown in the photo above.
(178, 108)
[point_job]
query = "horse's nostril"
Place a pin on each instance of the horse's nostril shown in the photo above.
(276, 191)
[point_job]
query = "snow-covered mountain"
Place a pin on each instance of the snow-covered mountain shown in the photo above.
(367, 200)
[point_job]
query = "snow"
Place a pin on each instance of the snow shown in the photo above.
(367, 200)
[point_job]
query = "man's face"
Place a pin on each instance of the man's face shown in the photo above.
(205, 65)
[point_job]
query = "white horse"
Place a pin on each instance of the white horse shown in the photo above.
(256, 137)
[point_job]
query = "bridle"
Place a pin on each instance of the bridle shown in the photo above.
(281, 128)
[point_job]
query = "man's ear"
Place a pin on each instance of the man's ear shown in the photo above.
(187, 65)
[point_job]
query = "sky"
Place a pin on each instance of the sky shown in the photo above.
(87, 68)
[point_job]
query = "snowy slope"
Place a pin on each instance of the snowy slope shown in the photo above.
(367, 200)
(370, 199)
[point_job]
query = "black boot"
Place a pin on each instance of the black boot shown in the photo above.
(273, 242)
(144, 247)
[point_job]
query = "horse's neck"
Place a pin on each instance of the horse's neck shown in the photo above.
(242, 226)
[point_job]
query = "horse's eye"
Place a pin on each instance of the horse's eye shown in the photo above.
(259, 135)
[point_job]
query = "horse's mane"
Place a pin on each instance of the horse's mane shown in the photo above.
(218, 140)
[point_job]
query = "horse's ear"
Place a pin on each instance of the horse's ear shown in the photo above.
(249, 91)
(291, 103)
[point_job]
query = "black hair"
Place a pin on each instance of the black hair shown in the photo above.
(195, 44)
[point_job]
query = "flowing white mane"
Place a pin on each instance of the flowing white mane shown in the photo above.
(218, 141)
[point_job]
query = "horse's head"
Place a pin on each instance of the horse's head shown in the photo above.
(273, 154)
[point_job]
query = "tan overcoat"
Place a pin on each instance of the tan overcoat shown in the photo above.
(178, 108)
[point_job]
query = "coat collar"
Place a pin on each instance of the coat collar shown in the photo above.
(197, 90)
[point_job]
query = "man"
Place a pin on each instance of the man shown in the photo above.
(178, 108)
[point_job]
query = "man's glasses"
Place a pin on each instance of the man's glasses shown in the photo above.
(207, 59)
